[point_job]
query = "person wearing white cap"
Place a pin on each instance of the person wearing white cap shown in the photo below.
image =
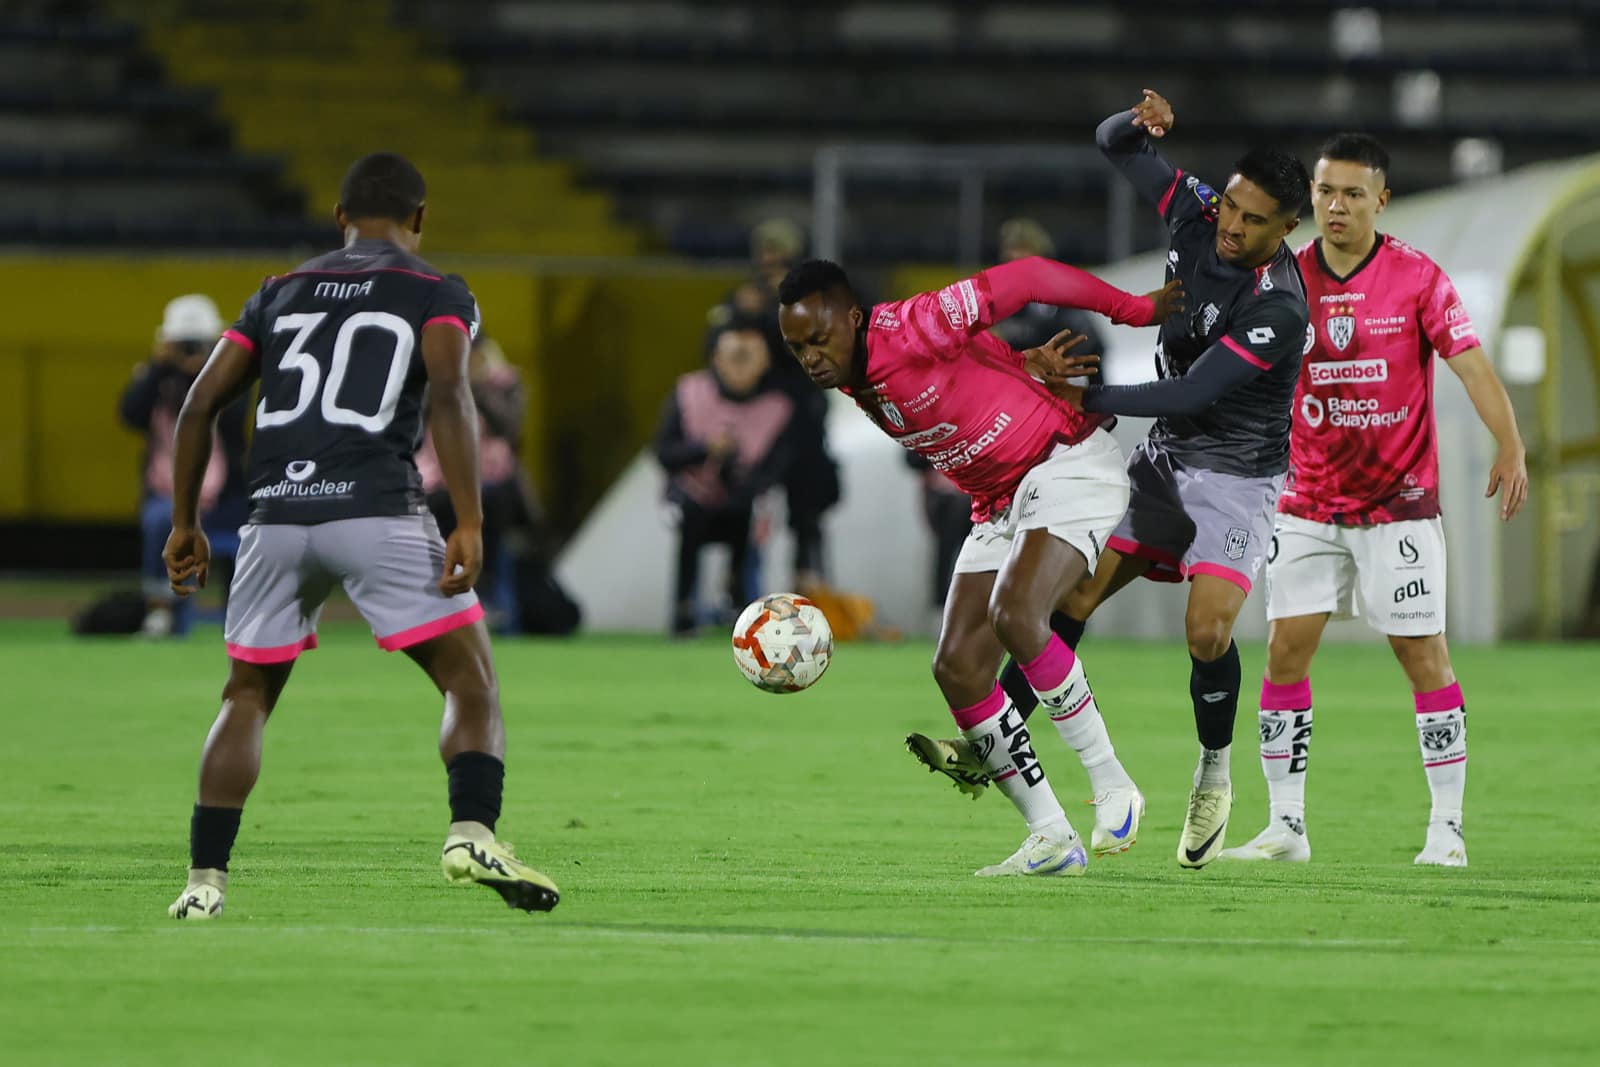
(190, 326)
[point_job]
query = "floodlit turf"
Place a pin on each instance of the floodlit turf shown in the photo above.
(751, 879)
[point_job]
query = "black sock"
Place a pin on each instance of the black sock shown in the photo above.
(211, 834)
(1218, 681)
(1015, 683)
(476, 780)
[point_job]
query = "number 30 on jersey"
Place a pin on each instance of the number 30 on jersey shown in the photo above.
(303, 363)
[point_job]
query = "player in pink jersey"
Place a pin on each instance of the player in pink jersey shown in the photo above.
(1047, 484)
(1358, 519)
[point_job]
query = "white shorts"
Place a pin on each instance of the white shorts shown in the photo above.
(1079, 493)
(1396, 568)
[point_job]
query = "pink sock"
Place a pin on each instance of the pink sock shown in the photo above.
(1048, 671)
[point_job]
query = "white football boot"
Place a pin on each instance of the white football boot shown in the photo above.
(1041, 857)
(1116, 820)
(1284, 839)
(1446, 847)
(202, 897)
(1205, 826)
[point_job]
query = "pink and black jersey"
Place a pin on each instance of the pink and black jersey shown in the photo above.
(942, 386)
(339, 340)
(1363, 450)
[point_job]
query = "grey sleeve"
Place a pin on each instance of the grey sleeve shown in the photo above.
(1129, 149)
(1218, 371)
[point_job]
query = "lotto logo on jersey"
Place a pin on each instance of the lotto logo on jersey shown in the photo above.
(1349, 372)
(959, 302)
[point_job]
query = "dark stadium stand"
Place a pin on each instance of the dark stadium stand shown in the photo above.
(618, 87)
(99, 151)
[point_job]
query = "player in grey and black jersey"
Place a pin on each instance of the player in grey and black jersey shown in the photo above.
(344, 347)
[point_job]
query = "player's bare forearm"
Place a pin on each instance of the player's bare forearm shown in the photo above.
(1489, 397)
(453, 420)
(1508, 475)
(225, 377)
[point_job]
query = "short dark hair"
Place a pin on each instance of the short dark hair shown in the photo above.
(1362, 148)
(814, 276)
(1279, 175)
(382, 186)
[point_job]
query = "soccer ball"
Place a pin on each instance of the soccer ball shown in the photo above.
(782, 643)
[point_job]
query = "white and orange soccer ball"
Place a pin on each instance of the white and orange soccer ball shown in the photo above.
(782, 643)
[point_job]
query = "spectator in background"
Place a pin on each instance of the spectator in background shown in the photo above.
(190, 327)
(811, 483)
(513, 526)
(1037, 323)
(723, 440)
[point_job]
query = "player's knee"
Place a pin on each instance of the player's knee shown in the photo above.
(1425, 660)
(246, 695)
(1208, 636)
(953, 671)
(1286, 654)
(1017, 625)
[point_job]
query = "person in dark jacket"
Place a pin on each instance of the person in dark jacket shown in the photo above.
(189, 329)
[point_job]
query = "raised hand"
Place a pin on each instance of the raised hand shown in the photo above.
(1153, 113)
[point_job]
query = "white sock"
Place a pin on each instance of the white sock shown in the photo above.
(1285, 720)
(1212, 770)
(1442, 737)
(1001, 740)
(1072, 707)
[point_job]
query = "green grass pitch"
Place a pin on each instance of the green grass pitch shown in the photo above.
(752, 879)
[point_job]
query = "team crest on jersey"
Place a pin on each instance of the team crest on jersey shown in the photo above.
(1208, 318)
(1341, 327)
(1238, 540)
(892, 414)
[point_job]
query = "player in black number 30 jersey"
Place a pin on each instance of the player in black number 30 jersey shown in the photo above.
(344, 347)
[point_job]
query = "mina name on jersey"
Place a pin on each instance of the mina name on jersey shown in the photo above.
(342, 380)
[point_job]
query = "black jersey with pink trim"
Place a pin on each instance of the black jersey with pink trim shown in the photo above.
(1258, 314)
(339, 340)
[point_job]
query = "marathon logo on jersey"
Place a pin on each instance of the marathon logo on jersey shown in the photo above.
(297, 485)
(1349, 372)
(1341, 327)
(342, 290)
(959, 302)
(1020, 746)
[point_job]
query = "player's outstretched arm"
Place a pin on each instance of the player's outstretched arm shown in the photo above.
(453, 422)
(1216, 373)
(228, 373)
(1509, 474)
(1036, 280)
(1124, 138)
